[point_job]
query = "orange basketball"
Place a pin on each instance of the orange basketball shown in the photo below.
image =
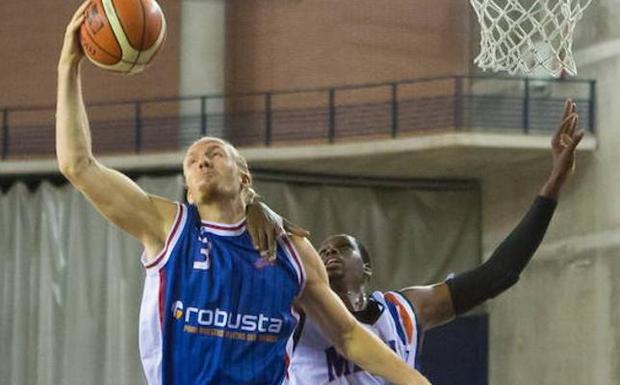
(122, 35)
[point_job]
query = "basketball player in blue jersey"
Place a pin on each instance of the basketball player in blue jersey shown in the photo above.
(213, 310)
(400, 317)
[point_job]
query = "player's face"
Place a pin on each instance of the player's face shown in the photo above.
(211, 172)
(344, 263)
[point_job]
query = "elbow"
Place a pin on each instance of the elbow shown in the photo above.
(72, 169)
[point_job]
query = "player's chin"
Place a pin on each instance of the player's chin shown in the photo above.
(208, 187)
(335, 275)
(201, 182)
(206, 191)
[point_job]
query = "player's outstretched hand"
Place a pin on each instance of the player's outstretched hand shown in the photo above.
(265, 226)
(563, 145)
(72, 53)
(565, 141)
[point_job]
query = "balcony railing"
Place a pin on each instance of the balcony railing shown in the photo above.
(318, 115)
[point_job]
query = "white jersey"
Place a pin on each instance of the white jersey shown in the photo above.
(315, 361)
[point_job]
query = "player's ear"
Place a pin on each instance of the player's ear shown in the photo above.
(246, 179)
(367, 272)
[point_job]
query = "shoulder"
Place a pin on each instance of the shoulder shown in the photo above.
(315, 280)
(170, 217)
(399, 300)
(301, 244)
(308, 255)
(432, 303)
(398, 303)
(293, 259)
(167, 211)
(404, 315)
(164, 206)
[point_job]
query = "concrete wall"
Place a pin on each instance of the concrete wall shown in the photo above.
(559, 325)
(202, 60)
(203, 48)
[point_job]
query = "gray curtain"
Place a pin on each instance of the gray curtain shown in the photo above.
(414, 236)
(70, 284)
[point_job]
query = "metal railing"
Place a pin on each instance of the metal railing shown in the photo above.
(317, 115)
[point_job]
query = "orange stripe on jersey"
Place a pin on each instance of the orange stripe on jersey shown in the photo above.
(404, 315)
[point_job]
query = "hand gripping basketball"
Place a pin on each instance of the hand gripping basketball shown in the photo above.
(122, 35)
(71, 53)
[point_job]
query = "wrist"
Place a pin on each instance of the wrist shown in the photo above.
(68, 65)
(551, 188)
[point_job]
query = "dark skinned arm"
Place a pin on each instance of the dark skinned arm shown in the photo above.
(439, 303)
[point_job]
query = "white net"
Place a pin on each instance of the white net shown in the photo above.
(521, 35)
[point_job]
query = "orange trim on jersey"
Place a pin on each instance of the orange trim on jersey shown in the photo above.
(404, 315)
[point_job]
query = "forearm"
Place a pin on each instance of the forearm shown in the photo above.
(551, 188)
(502, 270)
(357, 344)
(73, 142)
(374, 356)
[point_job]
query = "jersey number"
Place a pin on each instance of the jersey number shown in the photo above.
(206, 263)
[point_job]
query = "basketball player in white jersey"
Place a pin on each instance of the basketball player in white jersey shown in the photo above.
(212, 337)
(400, 317)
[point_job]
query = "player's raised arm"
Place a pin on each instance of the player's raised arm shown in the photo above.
(117, 197)
(441, 302)
(356, 343)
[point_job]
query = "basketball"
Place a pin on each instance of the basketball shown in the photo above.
(122, 35)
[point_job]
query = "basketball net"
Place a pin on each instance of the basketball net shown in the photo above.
(521, 35)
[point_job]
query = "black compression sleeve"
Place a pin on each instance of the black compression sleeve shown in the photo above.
(502, 270)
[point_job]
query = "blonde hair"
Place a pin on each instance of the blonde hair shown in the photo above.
(248, 194)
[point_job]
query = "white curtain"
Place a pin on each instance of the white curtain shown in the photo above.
(70, 284)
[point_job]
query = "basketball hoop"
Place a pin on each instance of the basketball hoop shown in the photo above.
(521, 35)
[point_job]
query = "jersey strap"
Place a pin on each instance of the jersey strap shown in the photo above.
(155, 264)
(294, 260)
(404, 317)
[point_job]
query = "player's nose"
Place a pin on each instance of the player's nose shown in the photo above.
(205, 162)
(327, 252)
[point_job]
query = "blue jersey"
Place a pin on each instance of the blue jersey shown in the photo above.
(213, 311)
